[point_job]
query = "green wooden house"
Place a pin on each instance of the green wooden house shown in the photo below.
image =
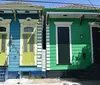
(72, 39)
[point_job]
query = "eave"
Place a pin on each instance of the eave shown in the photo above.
(69, 10)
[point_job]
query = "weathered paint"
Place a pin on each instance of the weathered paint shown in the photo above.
(79, 45)
(14, 57)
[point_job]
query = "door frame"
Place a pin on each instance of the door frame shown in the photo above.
(28, 22)
(63, 24)
(92, 25)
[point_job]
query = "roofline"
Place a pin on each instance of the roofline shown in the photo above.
(69, 10)
(19, 6)
(90, 13)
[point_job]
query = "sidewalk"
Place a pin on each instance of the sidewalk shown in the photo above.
(52, 82)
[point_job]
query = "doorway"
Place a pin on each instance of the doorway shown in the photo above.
(96, 44)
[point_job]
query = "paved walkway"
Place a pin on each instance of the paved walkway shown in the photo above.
(60, 82)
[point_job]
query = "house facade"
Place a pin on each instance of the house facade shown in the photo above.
(72, 38)
(21, 41)
(47, 42)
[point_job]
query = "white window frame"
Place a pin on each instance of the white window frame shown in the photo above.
(92, 25)
(6, 23)
(28, 32)
(25, 23)
(63, 24)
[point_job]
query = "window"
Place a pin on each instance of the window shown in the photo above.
(2, 29)
(28, 29)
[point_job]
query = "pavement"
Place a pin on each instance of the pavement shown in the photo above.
(50, 82)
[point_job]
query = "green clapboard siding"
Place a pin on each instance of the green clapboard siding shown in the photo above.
(80, 46)
(2, 53)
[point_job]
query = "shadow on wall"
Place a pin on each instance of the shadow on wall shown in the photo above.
(79, 62)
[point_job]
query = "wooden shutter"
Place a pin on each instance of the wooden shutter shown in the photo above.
(3, 42)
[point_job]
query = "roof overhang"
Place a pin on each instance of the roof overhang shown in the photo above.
(72, 14)
(20, 7)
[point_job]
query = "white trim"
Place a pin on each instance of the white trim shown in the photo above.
(6, 23)
(63, 24)
(92, 25)
(25, 23)
(48, 68)
(72, 13)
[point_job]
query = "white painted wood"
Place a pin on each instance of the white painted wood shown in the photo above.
(48, 59)
(43, 60)
(39, 65)
(48, 68)
(92, 25)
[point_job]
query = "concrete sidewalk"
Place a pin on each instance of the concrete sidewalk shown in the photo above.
(53, 82)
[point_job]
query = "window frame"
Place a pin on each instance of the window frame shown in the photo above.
(6, 23)
(25, 23)
(63, 24)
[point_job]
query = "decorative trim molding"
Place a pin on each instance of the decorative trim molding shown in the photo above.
(28, 22)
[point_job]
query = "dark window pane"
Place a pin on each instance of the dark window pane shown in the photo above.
(2, 29)
(31, 43)
(63, 45)
(3, 42)
(25, 43)
(28, 29)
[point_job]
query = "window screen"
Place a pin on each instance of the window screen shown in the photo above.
(25, 42)
(31, 43)
(63, 45)
(28, 29)
(3, 42)
(2, 29)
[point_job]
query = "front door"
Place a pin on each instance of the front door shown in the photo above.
(96, 44)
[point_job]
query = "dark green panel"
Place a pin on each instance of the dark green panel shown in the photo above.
(63, 46)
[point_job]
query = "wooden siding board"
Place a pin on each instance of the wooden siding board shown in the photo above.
(77, 44)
